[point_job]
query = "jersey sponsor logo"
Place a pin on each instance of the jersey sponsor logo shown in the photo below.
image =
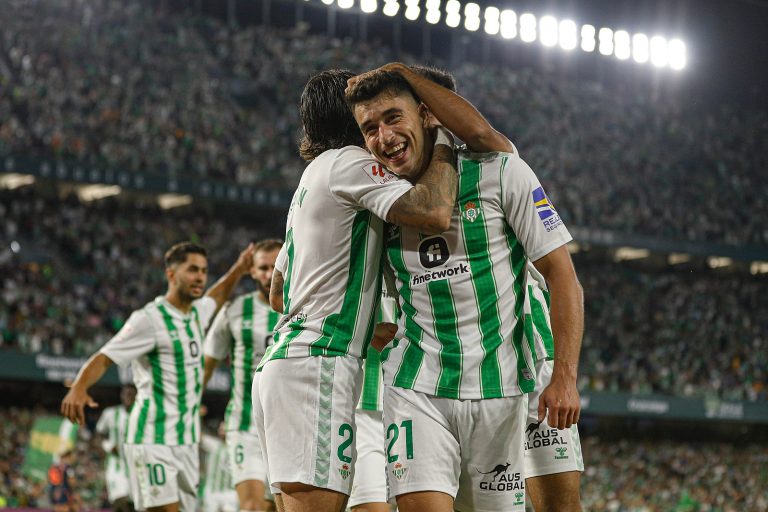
(547, 213)
(439, 275)
(471, 211)
(499, 479)
(378, 173)
(433, 252)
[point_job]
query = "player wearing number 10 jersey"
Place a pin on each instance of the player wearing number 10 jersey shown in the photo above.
(163, 343)
(243, 329)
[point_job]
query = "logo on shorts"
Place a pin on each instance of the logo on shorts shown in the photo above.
(399, 471)
(532, 427)
(519, 498)
(499, 479)
(561, 453)
(344, 471)
(471, 211)
(542, 438)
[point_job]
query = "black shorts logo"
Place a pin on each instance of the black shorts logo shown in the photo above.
(433, 252)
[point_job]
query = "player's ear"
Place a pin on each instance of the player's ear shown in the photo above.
(169, 272)
(425, 115)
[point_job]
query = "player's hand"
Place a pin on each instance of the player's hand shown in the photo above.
(392, 66)
(73, 405)
(560, 403)
(383, 333)
(245, 260)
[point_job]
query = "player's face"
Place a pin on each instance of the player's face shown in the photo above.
(128, 396)
(395, 128)
(190, 277)
(262, 269)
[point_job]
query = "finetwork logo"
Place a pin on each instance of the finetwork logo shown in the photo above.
(433, 252)
(549, 217)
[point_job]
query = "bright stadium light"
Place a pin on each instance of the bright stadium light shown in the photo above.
(346, 4)
(412, 10)
(568, 39)
(452, 13)
(508, 24)
(368, 6)
(491, 20)
(527, 27)
(548, 31)
(605, 36)
(659, 57)
(640, 48)
(391, 7)
(471, 16)
(677, 55)
(433, 11)
(14, 180)
(588, 38)
(328, 2)
(621, 49)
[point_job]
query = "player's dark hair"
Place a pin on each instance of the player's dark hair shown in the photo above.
(269, 244)
(437, 75)
(328, 123)
(178, 253)
(377, 83)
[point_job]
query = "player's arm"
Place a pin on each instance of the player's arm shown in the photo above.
(561, 397)
(73, 405)
(217, 343)
(428, 206)
(454, 112)
(222, 289)
(276, 291)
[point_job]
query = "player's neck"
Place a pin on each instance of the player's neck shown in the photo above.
(263, 298)
(185, 306)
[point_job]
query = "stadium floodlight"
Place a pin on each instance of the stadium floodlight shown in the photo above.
(677, 55)
(88, 193)
(630, 253)
(548, 31)
(169, 201)
(412, 9)
(508, 24)
(640, 48)
(605, 36)
(391, 7)
(621, 48)
(14, 180)
(568, 39)
(368, 6)
(659, 55)
(713, 261)
(328, 2)
(346, 4)
(491, 20)
(588, 38)
(452, 13)
(758, 267)
(433, 11)
(676, 258)
(527, 27)
(15, 247)
(471, 16)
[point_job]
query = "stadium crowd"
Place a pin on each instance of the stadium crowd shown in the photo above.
(128, 85)
(689, 334)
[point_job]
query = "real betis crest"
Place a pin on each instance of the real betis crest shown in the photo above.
(471, 211)
(399, 471)
(344, 471)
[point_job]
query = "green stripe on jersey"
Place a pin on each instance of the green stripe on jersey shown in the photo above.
(477, 248)
(272, 318)
(142, 422)
(339, 329)
(413, 355)
(178, 359)
(158, 396)
(289, 248)
(198, 382)
(372, 377)
(540, 322)
(247, 335)
(447, 333)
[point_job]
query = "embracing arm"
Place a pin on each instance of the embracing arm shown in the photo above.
(276, 291)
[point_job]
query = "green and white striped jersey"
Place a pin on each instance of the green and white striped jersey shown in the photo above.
(538, 325)
(218, 468)
(332, 256)
(112, 425)
(242, 329)
(372, 395)
(165, 348)
(463, 292)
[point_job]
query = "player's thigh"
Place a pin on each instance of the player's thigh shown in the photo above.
(250, 493)
(558, 492)
(154, 475)
(548, 450)
(246, 458)
(419, 501)
(309, 429)
(492, 464)
(298, 497)
(421, 447)
(370, 483)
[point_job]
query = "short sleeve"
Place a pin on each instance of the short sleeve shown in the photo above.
(105, 422)
(281, 263)
(219, 337)
(136, 338)
(206, 307)
(530, 212)
(359, 180)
